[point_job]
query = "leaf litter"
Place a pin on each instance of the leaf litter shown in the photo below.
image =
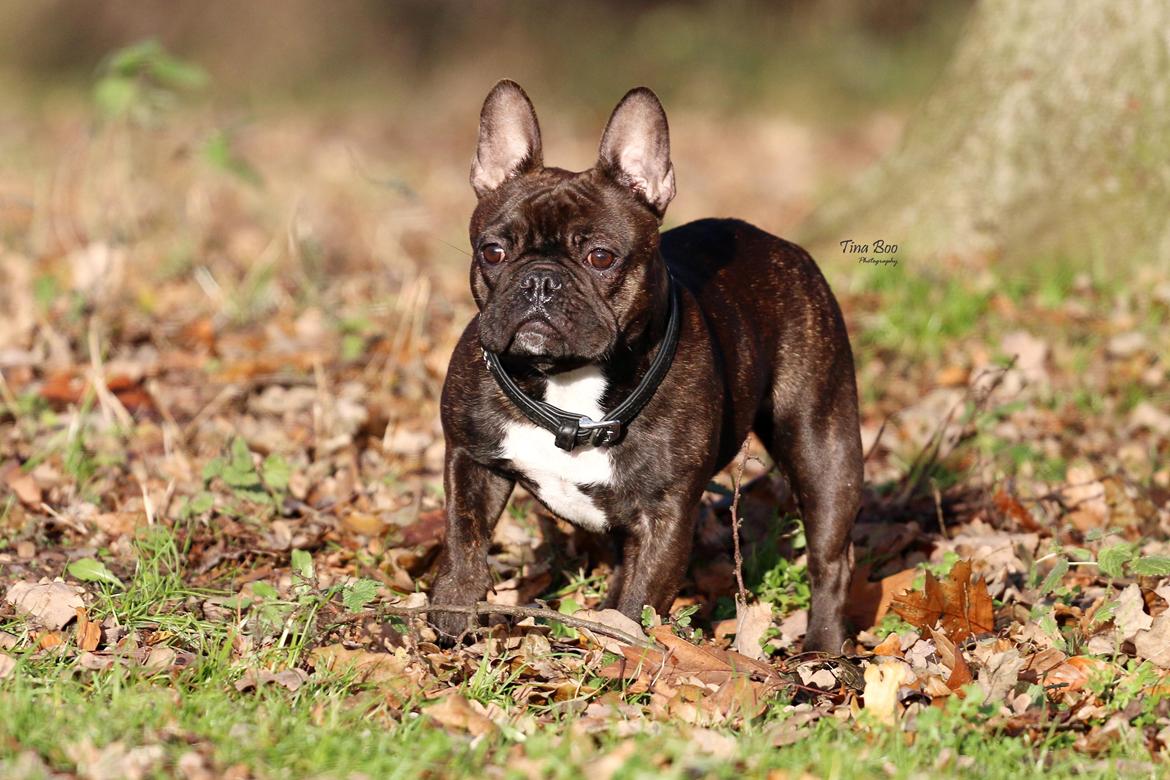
(257, 453)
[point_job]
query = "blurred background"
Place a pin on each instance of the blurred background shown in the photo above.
(217, 196)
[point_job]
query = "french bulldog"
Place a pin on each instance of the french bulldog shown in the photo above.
(613, 369)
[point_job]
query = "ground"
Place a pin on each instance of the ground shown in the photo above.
(221, 493)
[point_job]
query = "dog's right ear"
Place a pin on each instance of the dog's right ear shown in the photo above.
(509, 138)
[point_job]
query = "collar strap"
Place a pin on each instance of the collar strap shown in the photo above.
(575, 429)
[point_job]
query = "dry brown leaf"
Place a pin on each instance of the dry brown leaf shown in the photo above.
(752, 621)
(426, 531)
(615, 620)
(960, 603)
(47, 640)
(456, 713)
(1044, 661)
(890, 646)
(960, 673)
(740, 697)
(7, 665)
(688, 657)
(292, 679)
(89, 634)
(160, 658)
(363, 523)
(114, 761)
(869, 602)
(1072, 675)
(1154, 643)
(881, 690)
(1131, 616)
(24, 486)
(1009, 506)
(713, 743)
(367, 666)
(51, 604)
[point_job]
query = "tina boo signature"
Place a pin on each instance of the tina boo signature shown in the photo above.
(879, 252)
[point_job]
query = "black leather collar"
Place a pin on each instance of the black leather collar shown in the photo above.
(572, 429)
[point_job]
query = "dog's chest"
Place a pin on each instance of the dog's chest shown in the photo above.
(558, 476)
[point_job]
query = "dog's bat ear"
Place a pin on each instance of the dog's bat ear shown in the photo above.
(509, 138)
(635, 149)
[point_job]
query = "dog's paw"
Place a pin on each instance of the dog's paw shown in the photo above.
(450, 626)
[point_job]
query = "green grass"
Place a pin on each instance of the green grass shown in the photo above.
(333, 726)
(329, 729)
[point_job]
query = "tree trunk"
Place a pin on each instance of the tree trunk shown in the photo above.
(1048, 135)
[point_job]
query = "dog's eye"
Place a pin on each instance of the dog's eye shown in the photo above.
(601, 258)
(492, 253)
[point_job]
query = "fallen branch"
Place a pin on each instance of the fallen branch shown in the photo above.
(485, 608)
(741, 595)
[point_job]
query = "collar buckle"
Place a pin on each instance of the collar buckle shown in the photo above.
(604, 432)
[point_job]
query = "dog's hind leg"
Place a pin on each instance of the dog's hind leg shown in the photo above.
(818, 446)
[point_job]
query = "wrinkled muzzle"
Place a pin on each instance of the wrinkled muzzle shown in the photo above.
(541, 310)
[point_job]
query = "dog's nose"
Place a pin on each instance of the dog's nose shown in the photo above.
(539, 285)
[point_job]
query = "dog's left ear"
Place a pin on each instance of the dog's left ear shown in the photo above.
(635, 149)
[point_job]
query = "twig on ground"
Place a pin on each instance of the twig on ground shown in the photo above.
(741, 596)
(932, 453)
(942, 525)
(485, 608)
(223, 397)
(876, 440)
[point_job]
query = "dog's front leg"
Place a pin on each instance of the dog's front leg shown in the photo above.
(654, 560)
(475, 499)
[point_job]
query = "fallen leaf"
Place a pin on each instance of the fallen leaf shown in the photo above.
(456, 713)
(7, 665)
(366, 666)
(47, 640)
(1131, 616)
(1009, 506)
(363, 523)
(751, 622)
(693, 658)
(960, 603)
(24, 486)
(869, 602)
(740, 698)
(999, 674)
(159, 659)
(114, 761)
(713, 743)
(890, 646)
(960, 673)
(427, 530)
(292, 679)
(51, 604)
(89, 634)
(1072, 675)
(881, 690)
(611, 618)
(1154, 643)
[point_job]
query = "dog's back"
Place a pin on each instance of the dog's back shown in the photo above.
(774, 333)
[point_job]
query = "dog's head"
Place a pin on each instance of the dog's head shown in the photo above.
(566, 265)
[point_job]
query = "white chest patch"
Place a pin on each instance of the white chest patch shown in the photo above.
(559, 475)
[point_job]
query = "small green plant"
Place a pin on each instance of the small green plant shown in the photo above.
(566, 607)
(93, 570)
(358, 594)
(143, 80)
(266, 485)
(774, 578)
(219, 152)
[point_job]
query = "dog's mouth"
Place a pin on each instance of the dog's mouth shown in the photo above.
(534, 336)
